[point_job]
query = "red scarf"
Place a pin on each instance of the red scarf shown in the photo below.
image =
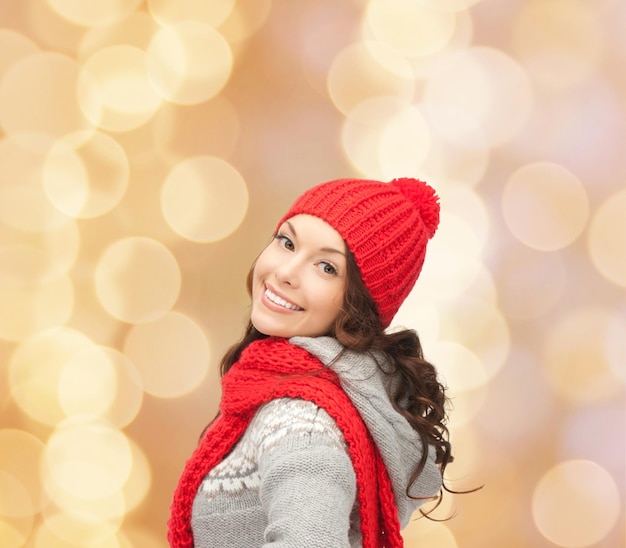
(273, 368)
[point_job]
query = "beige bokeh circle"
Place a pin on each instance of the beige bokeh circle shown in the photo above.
(366, 70)
(46, 78)
(410, 27)
(35, 367)
(545, 206)
(20, 459)
(606, 239)
(487, 85)
(587, 500)
(114, 91)
(204, 198)
(92, 14)
(88, 459)
(171, 354)
(86, 175)
(137, 279)
(189, 62)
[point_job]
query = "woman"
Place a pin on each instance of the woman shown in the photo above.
(331, 431)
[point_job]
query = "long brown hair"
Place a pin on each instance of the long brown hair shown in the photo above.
(419, 396)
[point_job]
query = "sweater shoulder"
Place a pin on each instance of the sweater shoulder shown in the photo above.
(291, 424)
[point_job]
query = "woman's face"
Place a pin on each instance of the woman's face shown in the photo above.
(299, 280)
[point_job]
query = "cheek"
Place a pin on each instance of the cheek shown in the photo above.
(261, 266)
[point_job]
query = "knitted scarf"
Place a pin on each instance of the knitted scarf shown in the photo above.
(273, 368)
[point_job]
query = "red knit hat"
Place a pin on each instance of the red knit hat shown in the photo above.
(386, 227)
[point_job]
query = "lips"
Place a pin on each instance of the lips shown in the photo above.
(279, 301)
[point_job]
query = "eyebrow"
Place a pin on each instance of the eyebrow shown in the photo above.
(324, 249)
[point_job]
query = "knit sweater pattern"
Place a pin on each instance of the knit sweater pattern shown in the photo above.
(290, 460)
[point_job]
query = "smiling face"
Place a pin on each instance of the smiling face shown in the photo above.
(299, 280)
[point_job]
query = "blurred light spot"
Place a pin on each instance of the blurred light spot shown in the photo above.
(530, 283)
(114, 90)
(454, 5)
(135, 30)
(204, 198)
(139, 480)
(128, 396)
(20, 457)
(554, 131)
(34, 370)
(615, 342)
(459, 367)
(23, 202)
(47, 26)
(86, 176)
(91, 14)
(464, 406)
(73, 528)
(464, 376)
(364, 71)
(606, 239)
(38, 257)
(336, 23)
(14, 533)
(410, 27)
(88, 459)
(559, 42)
(453, 260)
(189, 62)
(363, 129)
(480, 327)
(506, 414)
(462, 37)
(576, 503)
(574, 357)
(488, 86)
(245, 19)
(88, 383)
(38, 93)
(464, 472)
(422, 532)
(505, 481)
(31, 307)
(210, 128)
(171, 354)
(590, 433)
(14, 46)
(138, 536)
(545, 206)
(462, 202)
(212, 13)
(421, 316)
(137, 279)
(404, 143)
(15, 501)
(453, 163)
(456, 126)
(110, 508)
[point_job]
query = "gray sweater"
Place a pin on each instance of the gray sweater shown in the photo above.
(289, 481)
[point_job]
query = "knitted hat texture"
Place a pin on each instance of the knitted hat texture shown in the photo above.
(386, 227)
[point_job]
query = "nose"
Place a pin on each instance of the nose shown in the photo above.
(289, 272)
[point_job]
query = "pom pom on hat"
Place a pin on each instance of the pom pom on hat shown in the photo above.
(424, 199)
(386, 226)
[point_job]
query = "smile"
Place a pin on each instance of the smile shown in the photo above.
(281, 302)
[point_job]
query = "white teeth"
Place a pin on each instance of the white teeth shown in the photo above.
(282, 302)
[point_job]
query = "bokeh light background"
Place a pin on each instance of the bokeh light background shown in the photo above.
(147, 148)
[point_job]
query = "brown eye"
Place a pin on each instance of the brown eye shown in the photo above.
(328, 268)
(284, 241)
